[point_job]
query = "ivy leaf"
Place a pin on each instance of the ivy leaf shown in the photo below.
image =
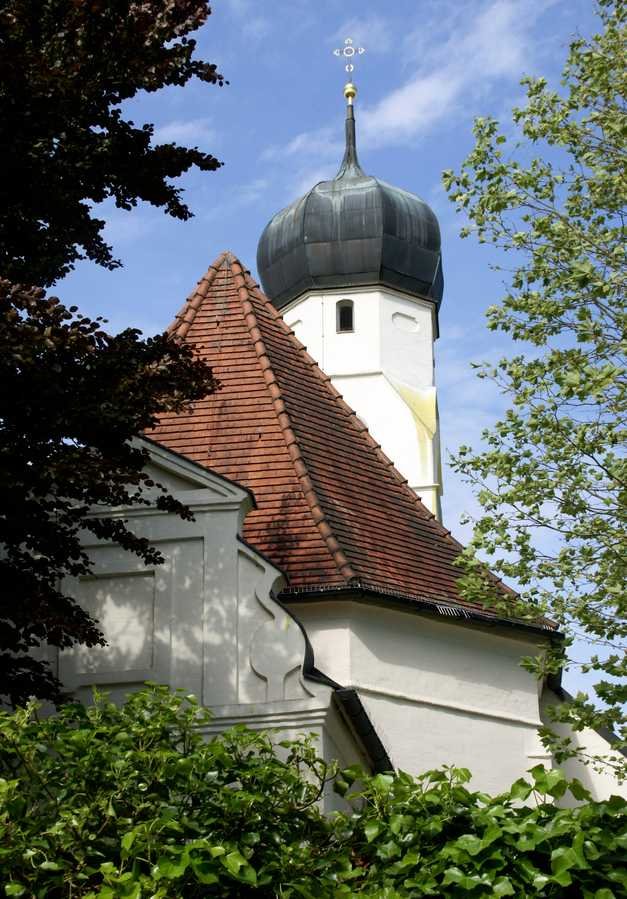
(503, 887)
(372, 830)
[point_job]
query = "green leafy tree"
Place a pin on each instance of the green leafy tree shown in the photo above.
(72, 395)
(66, 66)
(132, 801)
(552, 476)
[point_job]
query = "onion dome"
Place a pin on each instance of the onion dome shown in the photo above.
(354, 230)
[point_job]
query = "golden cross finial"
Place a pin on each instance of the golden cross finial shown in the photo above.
(348, 52)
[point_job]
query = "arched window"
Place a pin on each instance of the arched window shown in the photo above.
(344, 316)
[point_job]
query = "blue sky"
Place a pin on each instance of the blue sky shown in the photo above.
(430, 67)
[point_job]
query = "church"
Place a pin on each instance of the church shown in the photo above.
(315, 590)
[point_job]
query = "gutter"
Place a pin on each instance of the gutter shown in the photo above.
(352, 708)
(444, 608)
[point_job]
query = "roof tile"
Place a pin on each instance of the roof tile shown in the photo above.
(332, 510)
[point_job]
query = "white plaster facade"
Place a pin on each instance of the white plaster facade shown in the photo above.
(441, 692)
(205, 620)
(384, 368)
(437, 691)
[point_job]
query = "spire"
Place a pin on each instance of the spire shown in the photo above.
(350, 167)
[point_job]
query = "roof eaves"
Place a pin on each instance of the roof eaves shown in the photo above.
(554, 684)
(349, 701)
(359, 426)
(201, 468)
(444, 607)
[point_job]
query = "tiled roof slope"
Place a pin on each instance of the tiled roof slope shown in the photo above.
(332, 511)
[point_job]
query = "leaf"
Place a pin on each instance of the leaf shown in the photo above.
(13, 888)
(520, 789)
(465, 881)
(563, 878)
(578, 791)
(204, 872)
(371, 830)
(233, 861)
(562, 859)
(248, 874)
(341, 786)
(470, 844)
(453, 875)
(127, 840)
(389, 850)
(171, 868)
(382, 783)
(549, 782)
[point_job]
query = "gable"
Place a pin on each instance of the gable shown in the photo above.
(178, 474)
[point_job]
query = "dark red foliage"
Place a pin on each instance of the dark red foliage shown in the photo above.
(72, 399)
(65, 68)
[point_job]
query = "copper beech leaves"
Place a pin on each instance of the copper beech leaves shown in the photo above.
(551, 477)
(65, 142)
(73, 396)
(134, 801)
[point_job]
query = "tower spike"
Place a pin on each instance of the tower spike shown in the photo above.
(350, 164)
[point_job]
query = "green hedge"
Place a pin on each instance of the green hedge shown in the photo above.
(131, 801)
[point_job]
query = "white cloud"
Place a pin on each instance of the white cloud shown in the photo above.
(415, 107)
(185, 131)
(373, 32)
(250, 192)
(323, 144)
(256, 28)
(470, 62)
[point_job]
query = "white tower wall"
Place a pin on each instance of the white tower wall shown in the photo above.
(384, 368)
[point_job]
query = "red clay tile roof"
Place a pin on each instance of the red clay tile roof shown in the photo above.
(332, 511)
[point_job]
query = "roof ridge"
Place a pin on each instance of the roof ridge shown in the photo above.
(184, 318)
(354, 419)
(293, 448)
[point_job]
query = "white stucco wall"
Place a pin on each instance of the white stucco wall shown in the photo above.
(384, 369)
(205, 620)
(441, 692)
(437, 692)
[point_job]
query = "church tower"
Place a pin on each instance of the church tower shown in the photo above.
(355, 268)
